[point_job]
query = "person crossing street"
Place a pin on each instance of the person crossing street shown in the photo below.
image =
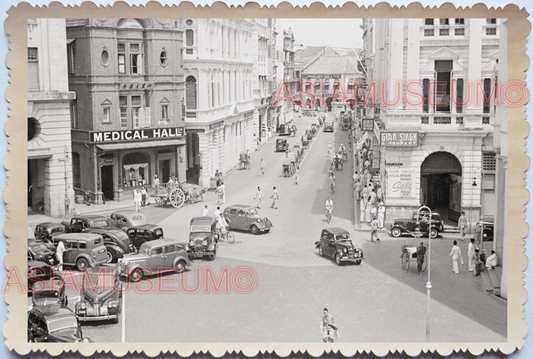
(275, 198)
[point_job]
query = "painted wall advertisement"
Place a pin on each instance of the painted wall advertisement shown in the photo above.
(400, 183)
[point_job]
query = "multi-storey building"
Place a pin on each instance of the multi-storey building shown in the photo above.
(49, 145)
(127, 121)
(219, 68)
(436, 145)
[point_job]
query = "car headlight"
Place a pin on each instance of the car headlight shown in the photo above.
(83, 306)
(112, 304)
(204, 242)
(345, 250)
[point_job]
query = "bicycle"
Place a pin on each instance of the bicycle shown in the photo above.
(229, 236)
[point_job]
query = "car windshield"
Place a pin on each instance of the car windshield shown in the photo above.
(45, 294)
(144, 248)
(343, 237)
(252, 211)
(200, 228)
(101, 223)
(98, 283)
(57, 229)
(39, 248)
(62, 324)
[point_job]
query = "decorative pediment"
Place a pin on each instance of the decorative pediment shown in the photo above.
(106, 102)
(444, 53)
(164, 100)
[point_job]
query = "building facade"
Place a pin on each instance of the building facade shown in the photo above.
(50, 188)
(435, 137)
(221, 118)
(127, 120)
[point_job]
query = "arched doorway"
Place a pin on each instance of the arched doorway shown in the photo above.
(135, 169)
(440, 182)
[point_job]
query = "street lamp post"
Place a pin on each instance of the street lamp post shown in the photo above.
(474, 184)
(418, 234)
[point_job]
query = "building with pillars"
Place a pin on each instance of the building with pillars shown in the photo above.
(127, 120)
(49, 144)
(220, 115)
(435, 140)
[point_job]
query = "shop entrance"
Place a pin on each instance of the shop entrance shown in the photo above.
(441, 178)
(107, 182)
(164, 171)
(36, 186)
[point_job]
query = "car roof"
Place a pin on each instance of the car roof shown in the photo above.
(85, 236)
(129, 213)
(162, 241)
(146, 226)
(54, 310)
(50, 224)
(114, 231)
(39, 264)
(336, 230)
(240, 206)
(202, 220)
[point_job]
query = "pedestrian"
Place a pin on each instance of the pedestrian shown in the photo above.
(156, 182)
(143, 196)
(456, 256)
(471, 255)
(461, 223)
(379, 194)
(355, 177)
(420, 255)
(137, 199)
(297, 175)
(372, 195)
(381, 215)
(263, 167)
(373, 211)
(217, 213)
(59, 255)
(368, 209)
(364, 192)
(374, 230)
(329, 327)
(258, 197)
(362, 207)
(478, 264)
(222, 190)
(275, 198)
(492, 261)
(205, 212)
(477, 233)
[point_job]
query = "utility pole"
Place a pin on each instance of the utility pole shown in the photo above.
(65, 160)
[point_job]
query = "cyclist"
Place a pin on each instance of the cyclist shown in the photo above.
(221, 226)
(329, 209)
(332, 182)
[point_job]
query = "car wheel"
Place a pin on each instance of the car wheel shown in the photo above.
(396, 232)
(254, 229)
(180, 266)
(267, 230)
(338, 259)
(109, 257)
(320, 251)
(81, 264)
(136, 275)
(114, 320)
(214, 255)
(358, 262)
(434, 233)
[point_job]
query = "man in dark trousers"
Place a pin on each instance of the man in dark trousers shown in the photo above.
(420, 256)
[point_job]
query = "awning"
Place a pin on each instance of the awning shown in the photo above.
(135, 166)
(362, 140)
(133, 145)
(39, 153)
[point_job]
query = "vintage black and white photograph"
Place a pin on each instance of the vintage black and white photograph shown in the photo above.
(268, 180)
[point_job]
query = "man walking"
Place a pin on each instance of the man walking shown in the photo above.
(471, 255)
(456, 255)
(258, 197)
(358, 190)
(420, 255)
(329, 327)
(374, 230)
(263, 167)
(461, 223)
(275, 198)
(59, 255)
(297, 175)
(205, 212)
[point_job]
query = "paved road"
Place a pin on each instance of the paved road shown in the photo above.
(374, 302)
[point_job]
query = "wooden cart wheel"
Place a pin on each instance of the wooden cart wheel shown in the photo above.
(177, 197)
(405, 260)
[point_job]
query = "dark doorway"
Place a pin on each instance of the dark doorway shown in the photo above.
(107, 182)
(164, 168)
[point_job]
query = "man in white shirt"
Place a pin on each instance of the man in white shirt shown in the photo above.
(217, 213)
(59, 255)
(205, 213)
(492, 261)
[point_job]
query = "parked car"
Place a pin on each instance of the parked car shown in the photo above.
(82, 250)
(154, 257)
(41, 251)
(127, 219)
(45, 231)
(281, 145)
(402, 226)
(147, 232)
(245, 217)
(79, 223)
(335, 243)
(49, 292)
(101, 296)
(283, 130)
(116, 242)
(488, 231)
(202, 238)
(39, 272)
(54, 323)
(328, 125)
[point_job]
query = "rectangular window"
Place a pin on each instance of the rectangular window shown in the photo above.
(123, 103)
(121, 58)
(429, 22)
(425, 93)
(459, 95)
(442, 88)
(459, 21)
(136, 111)
(164, 112)
(189, 38)
(429, 32)
(33, 69)
(489, 161)
(136, 63)
(106, 115)
(491, 21)
(490, 31)
(460, 31)
(444, 32)
(444, 21)
(71, 56)
(74, 115)
(486, 97)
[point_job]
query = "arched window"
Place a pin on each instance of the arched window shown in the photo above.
(190, 93)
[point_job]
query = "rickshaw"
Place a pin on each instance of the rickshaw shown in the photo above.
(305, 142)
(297, 152)
(292, 157)
(338, 162)
(244, 160)
(286, 168)
(281, 145)
(408, 255)
(309, 135)
(313, 129)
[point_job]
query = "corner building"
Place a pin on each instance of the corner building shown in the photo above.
(439, 153)
(128, 118)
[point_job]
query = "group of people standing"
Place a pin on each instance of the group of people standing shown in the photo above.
(370, 198)
(140, 198)
(274, 197)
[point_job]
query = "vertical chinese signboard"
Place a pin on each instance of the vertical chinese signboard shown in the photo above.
(400, 183)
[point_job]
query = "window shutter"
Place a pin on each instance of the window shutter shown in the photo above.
(139, 121)
(146, 111)
(140, 68)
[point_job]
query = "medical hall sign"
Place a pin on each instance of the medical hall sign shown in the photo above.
(136, 135)
(399, 139)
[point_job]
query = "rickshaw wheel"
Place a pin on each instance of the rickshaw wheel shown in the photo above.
(405, 260)
(177, 197)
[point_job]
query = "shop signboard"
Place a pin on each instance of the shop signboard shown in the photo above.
(368, 124)
(400, 183)
(399, 139)
(135, 135)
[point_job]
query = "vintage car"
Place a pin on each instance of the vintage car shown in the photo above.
(82, 249)
(202, 238)
(402, 226)
(78, 223)
(147, 232)
(101, 295)
(282, 145)
(116, 242)
(328, 125)
(488, 231)
(283, 130)
(245, 217)
(54, 323)
(127, 219)
(335, 243)
(45, 231)
(40, 272)
(154, 257)
(49, 292)
(41, 251)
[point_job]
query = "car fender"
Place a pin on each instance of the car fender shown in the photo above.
(186, 259)
(83, 255)
(115, 250)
